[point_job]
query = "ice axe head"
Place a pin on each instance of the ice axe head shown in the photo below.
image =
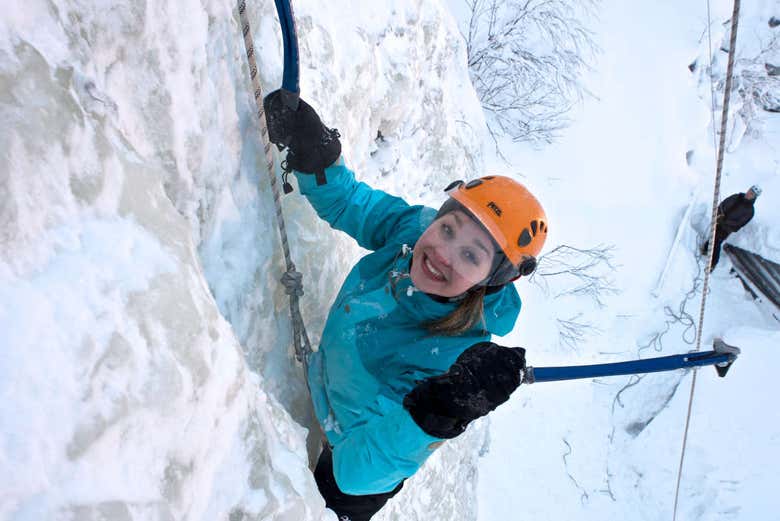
(722, 347)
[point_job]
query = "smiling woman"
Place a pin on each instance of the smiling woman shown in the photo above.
(487, 234)
(406, 342)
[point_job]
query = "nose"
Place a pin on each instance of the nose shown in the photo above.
(440, 259)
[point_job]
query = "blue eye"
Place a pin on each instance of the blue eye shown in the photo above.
(447, 230)
(470, 256)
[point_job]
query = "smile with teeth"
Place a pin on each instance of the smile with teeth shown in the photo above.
(433, 272)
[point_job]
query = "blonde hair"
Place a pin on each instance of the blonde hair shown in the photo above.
(469, 313)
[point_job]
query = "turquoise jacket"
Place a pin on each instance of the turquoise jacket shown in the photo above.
(373, 349)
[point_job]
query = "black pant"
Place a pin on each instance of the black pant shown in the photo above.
(355, 508)
(720, 235)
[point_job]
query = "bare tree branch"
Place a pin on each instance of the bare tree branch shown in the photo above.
(567, 271)
(577, 272)
(526, 59)
(572, 331)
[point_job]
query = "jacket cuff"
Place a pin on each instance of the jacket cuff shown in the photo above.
(308, 182)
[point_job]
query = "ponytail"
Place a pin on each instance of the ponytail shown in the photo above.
(469, 312)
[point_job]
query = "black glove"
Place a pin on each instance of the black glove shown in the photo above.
(311, 145)
(481, 379)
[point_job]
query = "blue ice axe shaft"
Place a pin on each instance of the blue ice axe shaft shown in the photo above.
(721, 357)
(291, 90)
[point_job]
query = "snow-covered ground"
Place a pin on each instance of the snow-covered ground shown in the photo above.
(610, 448)
(145, 358)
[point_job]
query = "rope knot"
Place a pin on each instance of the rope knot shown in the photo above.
(292, 281)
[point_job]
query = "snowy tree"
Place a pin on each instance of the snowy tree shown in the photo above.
(758, 82)
(526, 59)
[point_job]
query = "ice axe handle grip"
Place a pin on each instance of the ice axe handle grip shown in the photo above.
(291, 76)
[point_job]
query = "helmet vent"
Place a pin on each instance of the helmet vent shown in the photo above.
(525, 238)
(534, 225)
(472, 184)
(453, 184)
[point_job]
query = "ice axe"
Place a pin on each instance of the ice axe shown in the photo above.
(722, 357)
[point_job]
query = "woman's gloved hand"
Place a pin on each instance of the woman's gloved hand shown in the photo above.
(481, 379)
(311, 146)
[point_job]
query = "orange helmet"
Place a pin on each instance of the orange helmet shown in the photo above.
(511, 215)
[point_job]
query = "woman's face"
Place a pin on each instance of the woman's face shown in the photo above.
(451, 256)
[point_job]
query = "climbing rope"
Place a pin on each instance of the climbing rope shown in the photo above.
(291, 279)
(714, 216)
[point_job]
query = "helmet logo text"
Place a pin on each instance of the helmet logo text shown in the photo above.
(493, 206)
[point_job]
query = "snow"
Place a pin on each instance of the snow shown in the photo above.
(145, 351)
(620, 176)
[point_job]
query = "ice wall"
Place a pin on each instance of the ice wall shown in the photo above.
(145, 369)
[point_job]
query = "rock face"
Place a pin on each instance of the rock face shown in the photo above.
(145, 370)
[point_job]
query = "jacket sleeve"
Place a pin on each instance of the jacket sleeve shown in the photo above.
(375, 457)
(728, 204)
(369, 216)
(736, 212)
